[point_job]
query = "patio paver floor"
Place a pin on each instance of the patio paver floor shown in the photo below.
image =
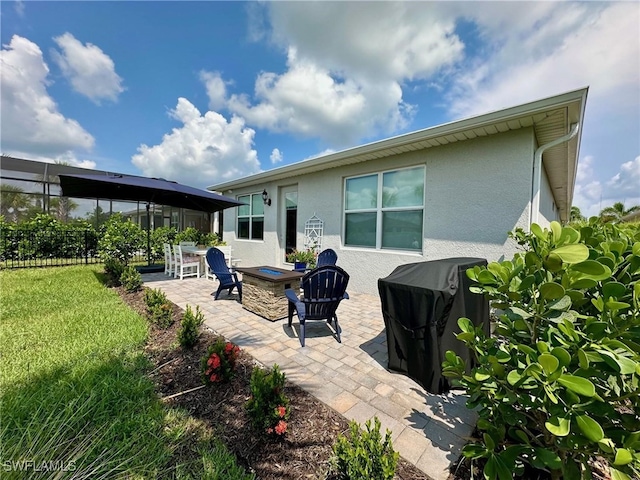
(350, 377)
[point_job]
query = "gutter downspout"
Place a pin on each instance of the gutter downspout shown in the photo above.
(537, 172)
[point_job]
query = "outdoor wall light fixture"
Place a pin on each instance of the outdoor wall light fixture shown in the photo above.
(265, 198)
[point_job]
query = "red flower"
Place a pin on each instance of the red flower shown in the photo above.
(228, 347)
(281, 411)
(214, 361)
(281, 427)
(269, 431)
(214, 377)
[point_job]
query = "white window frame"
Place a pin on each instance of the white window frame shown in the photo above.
(251, 216)
(379, 210)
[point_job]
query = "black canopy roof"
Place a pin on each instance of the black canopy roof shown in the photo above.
(143, 189)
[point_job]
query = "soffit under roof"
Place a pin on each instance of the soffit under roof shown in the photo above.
(551, 118)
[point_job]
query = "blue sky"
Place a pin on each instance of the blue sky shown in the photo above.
(203, 92)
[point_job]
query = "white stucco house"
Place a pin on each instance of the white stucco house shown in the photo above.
(452, 190)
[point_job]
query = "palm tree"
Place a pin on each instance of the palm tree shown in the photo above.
(62, 208)
(576, 215)
(13, 202)
(59, 207)
(616, 212)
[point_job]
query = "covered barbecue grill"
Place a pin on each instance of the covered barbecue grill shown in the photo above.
(421, 304)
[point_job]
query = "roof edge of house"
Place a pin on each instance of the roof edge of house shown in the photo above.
(335, 159)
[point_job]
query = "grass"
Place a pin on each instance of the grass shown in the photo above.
(75, 398)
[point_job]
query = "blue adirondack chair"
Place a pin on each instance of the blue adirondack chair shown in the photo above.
(227, 278)
(327, 257)
(323, 289)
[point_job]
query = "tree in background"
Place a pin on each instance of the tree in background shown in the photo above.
(97, 217)
(13, 203)
(61, 208)
(576, 215)
(616, 212)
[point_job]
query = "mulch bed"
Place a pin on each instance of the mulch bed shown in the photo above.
(313, 427)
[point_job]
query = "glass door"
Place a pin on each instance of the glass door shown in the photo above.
(289, 225)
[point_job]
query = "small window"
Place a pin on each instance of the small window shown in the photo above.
(385, 210)
(251, 217)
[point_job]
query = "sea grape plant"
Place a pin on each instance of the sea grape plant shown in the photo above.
(558, 382)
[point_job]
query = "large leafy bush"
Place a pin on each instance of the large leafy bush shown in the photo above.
(44, 236)
(159, 237)
(558, 383)
(121, 239)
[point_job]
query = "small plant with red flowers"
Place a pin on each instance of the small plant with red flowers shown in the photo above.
(268, 406)
(220, 362)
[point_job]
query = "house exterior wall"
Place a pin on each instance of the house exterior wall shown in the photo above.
(476, 191)
(548, 209)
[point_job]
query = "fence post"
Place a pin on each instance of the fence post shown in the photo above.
(86, 248)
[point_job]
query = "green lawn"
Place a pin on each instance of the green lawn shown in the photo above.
(75, 396)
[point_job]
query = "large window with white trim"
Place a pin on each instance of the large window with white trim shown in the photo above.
(385, 210)
(251, 217)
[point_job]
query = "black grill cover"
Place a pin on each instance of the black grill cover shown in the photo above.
(421, 304)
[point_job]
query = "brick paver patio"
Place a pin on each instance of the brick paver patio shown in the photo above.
(351, 377)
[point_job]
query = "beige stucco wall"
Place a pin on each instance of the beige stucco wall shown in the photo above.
(476, 191)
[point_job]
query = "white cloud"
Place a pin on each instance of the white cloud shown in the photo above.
(205, 150)
(558, 47)
(591, 195)
(346, 64)
(372, 40)
(90, 71)
(327, 151)
(627, 181)
(216, 89)
(32, 126)
(276, 156)
(307, 100)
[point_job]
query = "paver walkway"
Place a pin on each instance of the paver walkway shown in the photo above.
(351, 377)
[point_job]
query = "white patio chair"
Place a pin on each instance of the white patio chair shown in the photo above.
(226, 249)
(186, 265)
(169, 262)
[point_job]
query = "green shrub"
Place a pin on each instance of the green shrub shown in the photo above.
(219, 364)
(159, 309)
(159, 237)
(120, 239)
(558, 384)
(153, 297)
(268, 406)
(189, 234)
(114, 268)
(188, 332)
(162, 315)
(131, 279)
(365, 454)
(45, 237)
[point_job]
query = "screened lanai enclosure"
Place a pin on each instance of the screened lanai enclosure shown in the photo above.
(29, 188)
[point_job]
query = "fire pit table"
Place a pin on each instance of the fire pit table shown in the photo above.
(263, 290)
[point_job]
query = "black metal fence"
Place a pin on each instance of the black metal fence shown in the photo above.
(29, 247)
